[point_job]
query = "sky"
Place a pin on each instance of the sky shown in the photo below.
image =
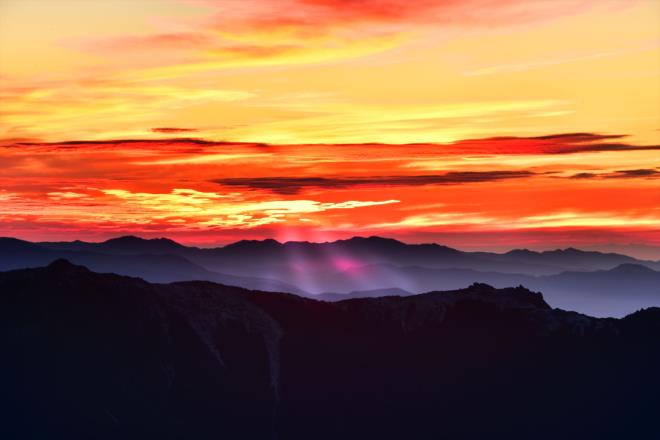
(479, 124)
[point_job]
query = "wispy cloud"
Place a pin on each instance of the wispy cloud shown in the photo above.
(564, 219)
(288, 21)
(574, 219)
(522, 66)
(226, 210)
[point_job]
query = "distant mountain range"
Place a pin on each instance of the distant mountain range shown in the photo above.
(141, 258)
(369, 250)
(614, 292)
(600, 284)
(104, 356)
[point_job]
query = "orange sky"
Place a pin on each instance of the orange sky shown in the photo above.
(479, 124)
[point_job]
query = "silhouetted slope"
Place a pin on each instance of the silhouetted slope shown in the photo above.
(615, 292)
(124, 245)
(248, 257)
(154, 267)
(105, 356)
(375, 293)
(89, 355)
(269, 256)
(361, 267)
(577, 259)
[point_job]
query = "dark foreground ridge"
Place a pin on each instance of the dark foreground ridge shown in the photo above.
(101, 356)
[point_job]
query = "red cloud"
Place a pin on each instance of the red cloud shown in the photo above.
(352, 19)
(337, 12)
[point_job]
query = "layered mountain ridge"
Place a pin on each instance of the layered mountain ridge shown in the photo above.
(599, 284)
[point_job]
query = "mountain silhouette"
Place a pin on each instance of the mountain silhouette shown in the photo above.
(374, 293)
(270, 253)
(615, 292)
(127, 244)
(88, 355)
(364, 266)
(155, 267)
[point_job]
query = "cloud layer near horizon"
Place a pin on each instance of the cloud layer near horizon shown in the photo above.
(194, 189)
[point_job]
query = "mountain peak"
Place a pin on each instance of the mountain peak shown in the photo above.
(517, 297)
(60, 263)
(125, 239)
(64, 265)
(630, 268)
(10, 243)
(132, 239)
(248, 244)
(373, 240)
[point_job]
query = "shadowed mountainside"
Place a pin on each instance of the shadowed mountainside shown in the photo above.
(595, 283)
(90, 355)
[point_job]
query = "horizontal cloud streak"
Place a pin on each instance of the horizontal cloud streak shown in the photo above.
(647, 173)
(563, 143)
(292, 185)
(168, 130)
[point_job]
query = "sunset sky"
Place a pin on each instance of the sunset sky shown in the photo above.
(480, 124)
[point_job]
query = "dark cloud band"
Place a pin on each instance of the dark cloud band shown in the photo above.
(292, 185)
(648, 173)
